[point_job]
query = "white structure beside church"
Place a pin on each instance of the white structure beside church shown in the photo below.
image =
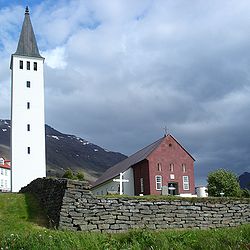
(27, 110)
(5, 175)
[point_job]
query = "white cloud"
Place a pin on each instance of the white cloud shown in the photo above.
(55, 58)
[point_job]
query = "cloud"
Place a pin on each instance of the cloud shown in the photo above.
(117, 72)
(55, 58)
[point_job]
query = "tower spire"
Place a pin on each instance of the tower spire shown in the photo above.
(27, 45)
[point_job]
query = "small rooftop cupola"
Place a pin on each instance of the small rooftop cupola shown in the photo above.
(27, 45)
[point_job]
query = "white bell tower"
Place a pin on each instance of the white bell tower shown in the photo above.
(27, 110)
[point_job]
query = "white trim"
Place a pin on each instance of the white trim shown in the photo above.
(158, 182)
(185, 182)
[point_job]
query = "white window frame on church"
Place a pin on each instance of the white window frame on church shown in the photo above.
(185, 183)
(158, 182)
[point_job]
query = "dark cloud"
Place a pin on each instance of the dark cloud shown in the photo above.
(118, 72)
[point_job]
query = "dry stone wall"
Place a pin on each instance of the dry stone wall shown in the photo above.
(82, 211)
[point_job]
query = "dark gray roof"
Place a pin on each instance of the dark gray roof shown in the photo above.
(27, 45)
(128, 162)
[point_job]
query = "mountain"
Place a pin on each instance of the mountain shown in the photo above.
(65, 151)
(244, 180)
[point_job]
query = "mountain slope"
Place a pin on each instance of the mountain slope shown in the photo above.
(67, 151)
(244, 180)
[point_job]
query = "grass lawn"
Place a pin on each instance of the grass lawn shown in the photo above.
(23, 226)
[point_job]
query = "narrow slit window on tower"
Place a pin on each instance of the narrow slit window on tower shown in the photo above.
(28, 150)
(28, 84)
(28, 105)
(28, 65)
(35, 66)
(28, 127)
(20, 64)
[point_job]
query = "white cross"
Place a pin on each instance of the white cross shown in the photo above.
(120, 180)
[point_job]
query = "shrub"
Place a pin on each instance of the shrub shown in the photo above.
(69, 174)
(224, 181)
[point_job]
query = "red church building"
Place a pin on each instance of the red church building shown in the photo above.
(163, 167)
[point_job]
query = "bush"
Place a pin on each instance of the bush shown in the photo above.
(245, 193)
(80, 176)
(223, 181)
(69, 174)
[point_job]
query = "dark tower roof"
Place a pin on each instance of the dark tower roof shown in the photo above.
(27, 45)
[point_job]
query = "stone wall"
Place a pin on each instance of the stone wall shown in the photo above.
(80, 210)
(50, 194)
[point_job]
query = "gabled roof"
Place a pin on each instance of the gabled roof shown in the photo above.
(128, 162)
(27, 45)
(181, 146)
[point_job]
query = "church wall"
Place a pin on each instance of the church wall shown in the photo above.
(141, 171)
(113, 187)
(70, 205)
(170, 152)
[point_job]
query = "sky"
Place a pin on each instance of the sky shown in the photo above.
(118, 72)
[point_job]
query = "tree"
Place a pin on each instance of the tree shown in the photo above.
(223, 181)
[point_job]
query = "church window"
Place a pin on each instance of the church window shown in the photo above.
(28, 127)
(159, 166)
(158, 181)
(28, 84)
(28, 105)
(1, 183)
(28, 65)
(185, 183)
(20, 64)
(35, 66)
(6, 172)
(171, 167)
(28, 150)
(5, 183)
(1, 171)
(141, 185)
(184, 168)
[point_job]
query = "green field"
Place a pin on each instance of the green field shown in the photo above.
(24, 226)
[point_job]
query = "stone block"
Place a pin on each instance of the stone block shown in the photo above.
(121, 217)
(135, 218)
(65, 219)
(103, 226)
(107, 217)
(87, 227)
(146, 212)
